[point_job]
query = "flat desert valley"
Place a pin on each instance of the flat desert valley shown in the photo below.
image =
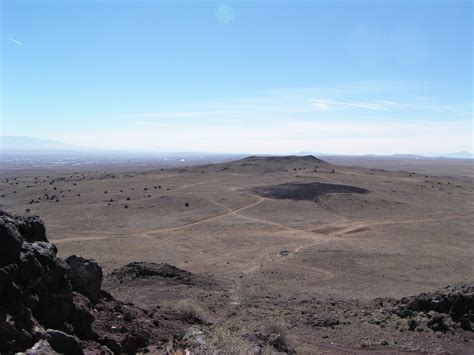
(317, 251)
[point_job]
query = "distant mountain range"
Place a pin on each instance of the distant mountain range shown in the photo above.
(25, 145)
(14, 143)
(455, 155)
(462, 155)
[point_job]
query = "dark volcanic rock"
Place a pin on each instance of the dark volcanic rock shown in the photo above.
(133, 342)
(35, 292)
(62, 342)
(10, 242)
(443, 310)
(49, 305)
(32, 229)
(111, 343)
(81, 317)
(85, 276)
(145, 270)
(305, 191)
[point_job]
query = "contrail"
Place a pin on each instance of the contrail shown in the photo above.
(15, 41)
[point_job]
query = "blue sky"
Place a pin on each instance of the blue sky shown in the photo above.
(245, 76)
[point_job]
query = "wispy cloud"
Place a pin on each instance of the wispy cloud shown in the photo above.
(387, 100)
(342, 137)
(329, 105)
(15, 41)
(358, 118)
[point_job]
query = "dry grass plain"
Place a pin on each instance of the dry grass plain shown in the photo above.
(267, 260)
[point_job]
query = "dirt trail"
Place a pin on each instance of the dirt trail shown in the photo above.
(342, 227)
(194, 184)
(348, 228)
(271, 258)
(183, 187)
(153, 233)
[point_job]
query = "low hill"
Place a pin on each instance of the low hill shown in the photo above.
(269, 164)
(287, 159)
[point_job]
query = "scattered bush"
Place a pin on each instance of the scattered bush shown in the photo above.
(277, 337)
(226, 339)
(189, 312)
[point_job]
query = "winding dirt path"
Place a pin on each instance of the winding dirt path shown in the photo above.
(153, 233)
(156, 232)
(342, 227)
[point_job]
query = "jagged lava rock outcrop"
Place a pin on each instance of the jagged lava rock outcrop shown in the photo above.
(446, 310)
(50, 303)
(35, 291)
(85, 276)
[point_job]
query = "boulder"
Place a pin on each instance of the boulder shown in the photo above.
(10, 242)
(81, 317)
(111, 344)
(85, 276)
(7, 275)
(32, 229)
(132, 343)
(31, 271)
(63, 343)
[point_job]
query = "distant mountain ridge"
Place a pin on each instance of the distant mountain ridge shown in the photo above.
(462, 155)
(24, 145)
(455, 155)
(17, 143)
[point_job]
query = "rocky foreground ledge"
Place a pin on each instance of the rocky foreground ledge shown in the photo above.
(49, 304)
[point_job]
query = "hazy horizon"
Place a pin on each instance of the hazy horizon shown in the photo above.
(226, 77)
(29, 145)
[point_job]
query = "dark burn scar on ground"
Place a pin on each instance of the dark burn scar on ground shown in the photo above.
(305, 191)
